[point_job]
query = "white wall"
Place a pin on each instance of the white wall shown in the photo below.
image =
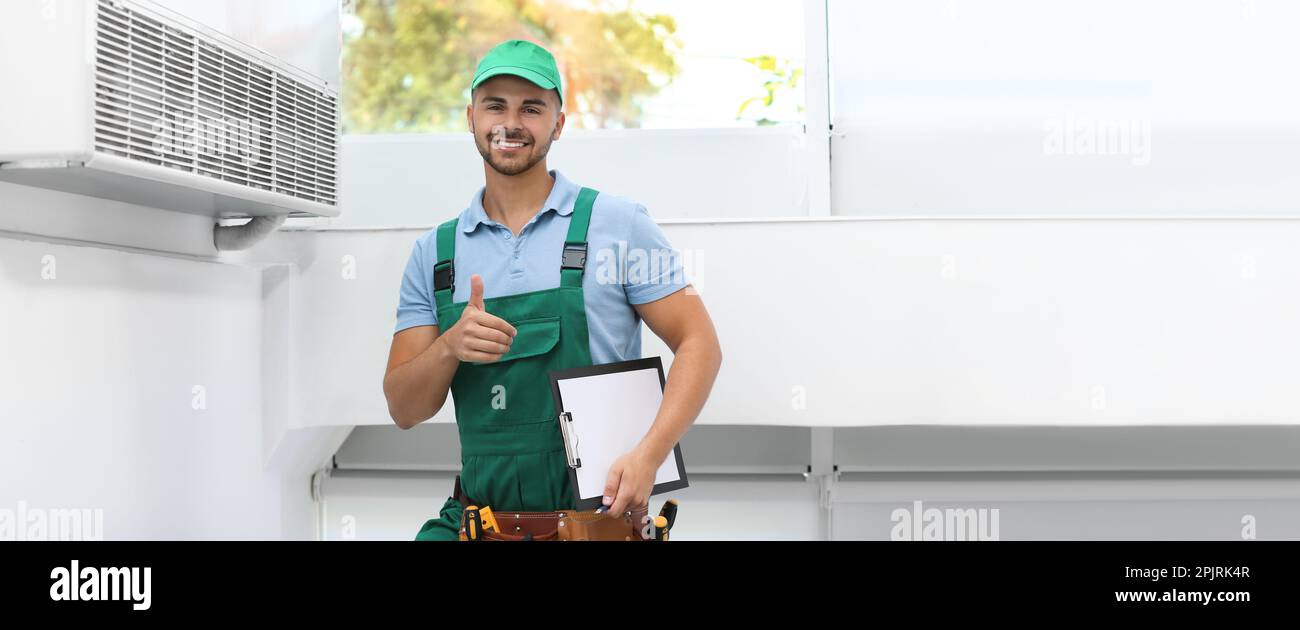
(1002, 322)
(408, 180)
(102, 351)
(868, 322)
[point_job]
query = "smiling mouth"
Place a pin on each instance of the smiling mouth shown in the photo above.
(501, 143)
(508, 145)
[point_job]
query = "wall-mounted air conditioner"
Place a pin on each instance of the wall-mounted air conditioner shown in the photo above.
(126, 100)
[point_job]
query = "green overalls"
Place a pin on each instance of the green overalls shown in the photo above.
(512, 455)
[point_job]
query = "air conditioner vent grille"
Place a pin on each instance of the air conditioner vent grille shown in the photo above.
(176, 97)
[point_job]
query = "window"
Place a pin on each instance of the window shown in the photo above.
(655, 64)
(1033, 108)
(718, 97)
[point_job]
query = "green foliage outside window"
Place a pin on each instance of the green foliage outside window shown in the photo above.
(409, 67)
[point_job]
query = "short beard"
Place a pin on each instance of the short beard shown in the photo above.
(484, 145)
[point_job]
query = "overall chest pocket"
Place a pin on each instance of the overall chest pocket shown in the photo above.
(505, 407)
(532, 337)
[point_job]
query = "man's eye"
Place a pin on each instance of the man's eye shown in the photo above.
(531, 110)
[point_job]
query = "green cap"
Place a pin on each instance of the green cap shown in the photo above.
(522, 59)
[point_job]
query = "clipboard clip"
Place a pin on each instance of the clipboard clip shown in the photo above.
(570, 440)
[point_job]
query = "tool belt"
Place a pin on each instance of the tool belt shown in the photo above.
(543, 526)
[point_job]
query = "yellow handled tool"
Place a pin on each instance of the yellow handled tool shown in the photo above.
(489, 521)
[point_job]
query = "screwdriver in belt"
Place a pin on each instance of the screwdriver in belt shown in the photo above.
(661, 528)
(669, 515)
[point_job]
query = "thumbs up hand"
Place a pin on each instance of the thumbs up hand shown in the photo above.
(478, 335)
(476, 293)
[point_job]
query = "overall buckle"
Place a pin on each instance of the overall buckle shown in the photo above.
(444, 276)
(574, 256)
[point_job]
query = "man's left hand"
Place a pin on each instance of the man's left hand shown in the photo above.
(630, 481)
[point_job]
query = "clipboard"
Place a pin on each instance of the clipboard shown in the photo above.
(604, 410)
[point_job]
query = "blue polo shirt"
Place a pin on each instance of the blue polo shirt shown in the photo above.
(629, 261)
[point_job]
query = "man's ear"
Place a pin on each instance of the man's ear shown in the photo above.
(559, 127)
(469, 117)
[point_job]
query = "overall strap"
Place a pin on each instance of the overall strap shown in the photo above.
(574, 257)
(444, 272)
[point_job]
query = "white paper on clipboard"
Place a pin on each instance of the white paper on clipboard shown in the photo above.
(611, 413)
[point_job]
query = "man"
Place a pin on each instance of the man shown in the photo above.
(495, 299)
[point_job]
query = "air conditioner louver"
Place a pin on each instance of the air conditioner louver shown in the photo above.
(183, 99)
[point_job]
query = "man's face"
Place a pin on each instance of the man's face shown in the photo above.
(514, 122)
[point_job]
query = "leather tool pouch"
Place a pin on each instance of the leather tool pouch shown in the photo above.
(552, 526)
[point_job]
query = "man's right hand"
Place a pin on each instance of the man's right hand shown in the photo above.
(479, 336)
